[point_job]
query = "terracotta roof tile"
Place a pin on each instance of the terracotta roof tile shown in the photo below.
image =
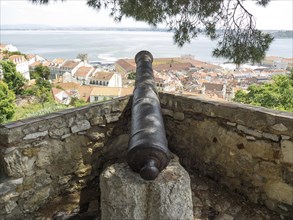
(83, 71)
(106, 76)
(213, 86)
(70, 64)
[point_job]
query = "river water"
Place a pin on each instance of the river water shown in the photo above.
(112, 45)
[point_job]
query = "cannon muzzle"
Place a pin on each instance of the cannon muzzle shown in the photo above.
(148, 152)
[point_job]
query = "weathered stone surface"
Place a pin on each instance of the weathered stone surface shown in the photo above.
(280, 127)
(33, 202)
(249, 131)
(35, 135)
(97, 120)
(271, 136)
(179, 116)
(125, 195)
(287, 151)
(16, 165)
(9, 206)
(231, 123)
(280, 192)
(95, 135)
(167, 112)
(9, 186)
(30, 152)
(81, 126)
(112, 117)
(57, 132)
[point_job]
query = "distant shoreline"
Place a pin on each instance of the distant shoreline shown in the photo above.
(278, 34)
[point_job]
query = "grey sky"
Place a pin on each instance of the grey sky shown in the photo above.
(277, 15)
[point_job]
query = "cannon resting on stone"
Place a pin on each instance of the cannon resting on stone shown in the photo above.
(148, 152)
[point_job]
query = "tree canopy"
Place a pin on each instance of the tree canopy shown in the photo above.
(238, 39)
(7, 99)
(14, 79)
(276, 95)
(40, 72)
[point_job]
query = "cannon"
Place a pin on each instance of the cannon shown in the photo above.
(148, 152)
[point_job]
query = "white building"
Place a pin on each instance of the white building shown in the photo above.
(32, 58)
(8, 47)
(21, 65)
(55, 67)
(82, 74)
(61, 96)
(70, 66)
(106, 79)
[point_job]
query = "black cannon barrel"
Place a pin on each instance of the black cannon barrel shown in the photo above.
(148, 152)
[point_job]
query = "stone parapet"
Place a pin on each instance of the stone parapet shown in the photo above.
(247, 148)
(56, 153)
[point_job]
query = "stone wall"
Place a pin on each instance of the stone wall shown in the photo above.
(246, 148)
(249, 149)
(57, 153)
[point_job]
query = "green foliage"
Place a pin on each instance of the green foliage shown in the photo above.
(187, 19)
(245, 46)
(7, 99)
(131, 75)
(40, 72)
(7, 54)
(76, 102)
(33, 110)
(12, 78)
(276, 95)
(43, 90)
(82, 56)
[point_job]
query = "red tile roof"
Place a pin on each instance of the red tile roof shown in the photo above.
(103, 76)
(83, 71)
(70, 64)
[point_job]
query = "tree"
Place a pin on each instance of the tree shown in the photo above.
(7, 99)
(12, 78)
(41, 72)
(276, 95)
(239, 40)
(82, 56)
(43, 90)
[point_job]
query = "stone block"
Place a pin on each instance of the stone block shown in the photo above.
(125, 195)
(81, 126)
(35, 135)
(280, 127)
(112, 117)
(287, 151)
(271, 136)
(9, 186)
(280, 192)
(167, 112)
(249, 131)
(179, 116)
(58, 132)
(97, 120)
(17, 165)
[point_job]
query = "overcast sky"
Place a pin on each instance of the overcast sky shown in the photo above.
(277, 15)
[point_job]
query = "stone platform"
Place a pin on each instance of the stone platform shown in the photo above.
(125, 195)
